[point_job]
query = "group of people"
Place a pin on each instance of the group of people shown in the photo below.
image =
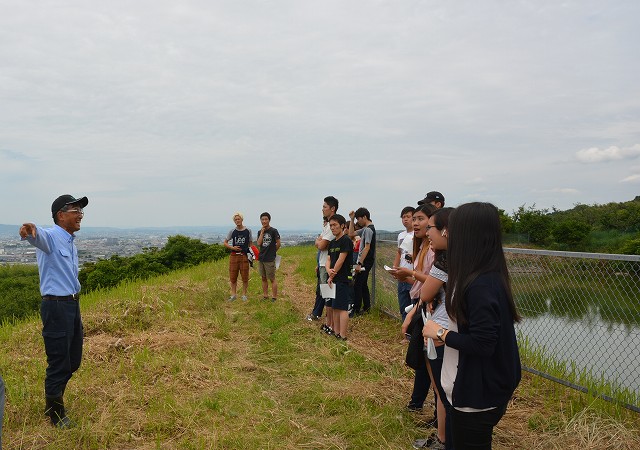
(454, 294)
(455, 299)
(345, 257)
(239, 241)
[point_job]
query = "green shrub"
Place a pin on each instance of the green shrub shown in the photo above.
(19, 292)
(19, 285)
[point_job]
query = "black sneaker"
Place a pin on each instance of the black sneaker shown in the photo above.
(324, 327)
(329, 331)
(412, 407)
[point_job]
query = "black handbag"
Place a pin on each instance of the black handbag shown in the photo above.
(415, 350)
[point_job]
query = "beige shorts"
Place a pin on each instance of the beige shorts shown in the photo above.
(267, 270)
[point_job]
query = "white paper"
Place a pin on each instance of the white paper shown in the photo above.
(328, 292)
(278, 259)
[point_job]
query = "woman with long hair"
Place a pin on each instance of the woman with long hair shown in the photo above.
(432, 294)
(481, 367)
(412, 325)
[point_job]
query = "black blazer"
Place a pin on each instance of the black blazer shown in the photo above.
(489, 365)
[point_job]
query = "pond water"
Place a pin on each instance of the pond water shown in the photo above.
(606, 349)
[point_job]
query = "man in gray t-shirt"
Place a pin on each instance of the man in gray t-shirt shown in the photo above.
(366, 257)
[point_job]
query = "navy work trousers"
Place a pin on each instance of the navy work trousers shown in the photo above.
(63, 335)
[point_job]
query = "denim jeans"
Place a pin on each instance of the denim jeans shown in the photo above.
(319, 304)
(404, 299)
(63, 335)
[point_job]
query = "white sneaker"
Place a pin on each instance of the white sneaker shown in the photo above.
(244, 298)
(232, 298)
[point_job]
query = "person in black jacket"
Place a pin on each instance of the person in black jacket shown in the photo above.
(481, 367)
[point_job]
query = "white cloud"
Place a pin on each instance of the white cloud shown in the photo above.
(568, 191)
(635, 178)
(475, 181)
(613, 153)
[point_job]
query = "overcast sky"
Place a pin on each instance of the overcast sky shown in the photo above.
(182, 112)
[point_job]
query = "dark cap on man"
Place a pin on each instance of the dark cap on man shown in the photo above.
(433, 196)
(65, 200)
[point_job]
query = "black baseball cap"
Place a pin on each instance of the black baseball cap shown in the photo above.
(65, 200)
(433, 196)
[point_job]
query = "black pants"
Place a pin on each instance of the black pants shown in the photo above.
(63, 335)
(421, 384)
(321, 275)
(361, 296)
(473, 430)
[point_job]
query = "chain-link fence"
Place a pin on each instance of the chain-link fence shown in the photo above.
(581, 316)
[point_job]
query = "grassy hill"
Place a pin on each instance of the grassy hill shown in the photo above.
(170, 364)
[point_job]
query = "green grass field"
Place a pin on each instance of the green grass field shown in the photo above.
(170, 364)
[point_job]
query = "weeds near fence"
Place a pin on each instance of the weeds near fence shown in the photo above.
(602, 395)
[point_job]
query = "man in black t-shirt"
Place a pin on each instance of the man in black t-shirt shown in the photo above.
(339, 270)
(238, 241)
(268, 243)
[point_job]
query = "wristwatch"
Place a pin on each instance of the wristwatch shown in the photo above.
(440, 333)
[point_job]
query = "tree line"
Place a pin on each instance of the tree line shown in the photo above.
(610, 228)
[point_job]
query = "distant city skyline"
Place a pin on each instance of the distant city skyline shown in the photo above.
(182, 113)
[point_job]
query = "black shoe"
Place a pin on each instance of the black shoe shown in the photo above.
(412, 407)
(55, 410)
